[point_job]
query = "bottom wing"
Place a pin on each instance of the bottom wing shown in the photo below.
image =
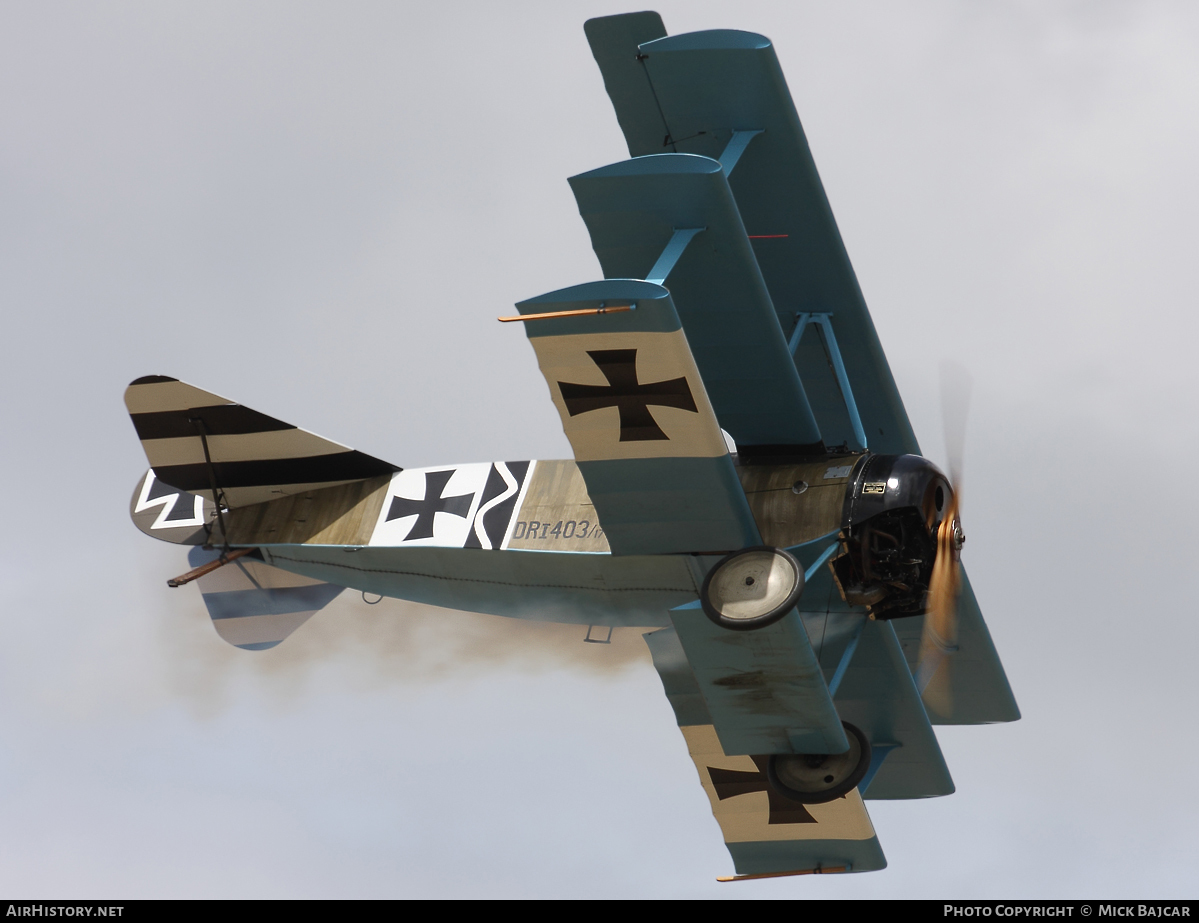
(766, 833)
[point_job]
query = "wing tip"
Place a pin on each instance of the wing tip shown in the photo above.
(650, 20)
(830, 870)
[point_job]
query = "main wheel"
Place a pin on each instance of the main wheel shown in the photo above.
(814, 778)
(752, 588)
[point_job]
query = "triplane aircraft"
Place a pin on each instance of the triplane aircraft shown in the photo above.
(745, 486)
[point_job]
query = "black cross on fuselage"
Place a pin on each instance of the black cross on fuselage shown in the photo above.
(427, 508)
(732, 782)
(631, 399)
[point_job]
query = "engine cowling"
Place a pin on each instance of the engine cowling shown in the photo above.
(893, 507)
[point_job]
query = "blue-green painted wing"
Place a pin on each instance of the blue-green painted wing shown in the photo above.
(672, 219)
(979, 687)
(764, 689)
(614, 41)
(873, 689)
(765, 834)
(689, 94)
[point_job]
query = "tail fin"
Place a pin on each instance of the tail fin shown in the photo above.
(205, 444)
(255, 606)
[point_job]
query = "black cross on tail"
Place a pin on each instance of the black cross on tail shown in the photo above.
(623, 392)
(427, 508)
(732, 782)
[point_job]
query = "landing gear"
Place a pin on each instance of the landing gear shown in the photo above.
(814, 778)
(752, 588)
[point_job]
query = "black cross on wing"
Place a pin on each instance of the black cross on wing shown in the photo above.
(631, 399)
(433, 503)
(729, 783)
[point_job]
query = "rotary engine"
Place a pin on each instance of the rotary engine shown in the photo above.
(894, 505)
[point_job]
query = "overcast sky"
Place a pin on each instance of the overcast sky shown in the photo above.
(319, 209)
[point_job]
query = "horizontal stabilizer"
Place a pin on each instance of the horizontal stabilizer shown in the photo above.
(201, 443)
(636, 412)
(672, 219)
(255, 606)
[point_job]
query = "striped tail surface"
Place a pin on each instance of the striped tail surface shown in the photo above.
(210, 446)
(255, 606)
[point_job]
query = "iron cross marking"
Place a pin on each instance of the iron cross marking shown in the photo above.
(427, 508)
(730, 783)
(631, 399)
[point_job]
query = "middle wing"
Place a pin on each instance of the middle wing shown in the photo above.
(672, 219)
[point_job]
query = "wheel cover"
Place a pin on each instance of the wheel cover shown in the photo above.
(814, 778)
(752, 588)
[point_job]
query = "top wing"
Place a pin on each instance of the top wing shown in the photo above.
(721, 94)
(614, 40)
